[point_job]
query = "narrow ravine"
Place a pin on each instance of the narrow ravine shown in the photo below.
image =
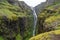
(35, 21)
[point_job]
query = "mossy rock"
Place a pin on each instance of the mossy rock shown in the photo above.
(53, 35)
(15, 22)
(49, 19)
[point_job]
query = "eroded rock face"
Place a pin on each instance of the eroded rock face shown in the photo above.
(40, 7)
(9, 28)
(43, 5)
(15, 20)
(48, 19)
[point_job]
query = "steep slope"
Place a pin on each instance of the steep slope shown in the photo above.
(16, 20)
(43, 5)
(48, 20)
(53, 35)
(40, 7)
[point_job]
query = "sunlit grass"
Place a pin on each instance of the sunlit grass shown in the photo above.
(46, 35)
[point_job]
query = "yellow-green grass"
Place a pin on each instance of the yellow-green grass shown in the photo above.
(45, 36)
(52, 19)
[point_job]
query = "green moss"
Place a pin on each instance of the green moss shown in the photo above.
(9, 16)
(18, 37)
(12, 9)
(29, 27)
(49, 18)
(46, 36)
(52, 19)
(1, 38)
(7, 13)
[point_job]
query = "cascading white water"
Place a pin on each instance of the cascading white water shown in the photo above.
(35, 21)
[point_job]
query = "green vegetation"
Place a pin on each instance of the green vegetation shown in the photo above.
(49, 19)
(48, 23)
(16, 22)
(1, 38)
(18, 37)
(12, 19)
(47, 36)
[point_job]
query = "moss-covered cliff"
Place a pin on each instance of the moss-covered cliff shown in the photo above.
(48, 20)
(16, 21)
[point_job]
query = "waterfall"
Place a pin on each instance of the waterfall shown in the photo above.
(35, 21)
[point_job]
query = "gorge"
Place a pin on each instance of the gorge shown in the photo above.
(18, 21)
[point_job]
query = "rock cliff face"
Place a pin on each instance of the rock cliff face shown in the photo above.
(40, 7)
(43, 5)
(48, 25)
(16, 20)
